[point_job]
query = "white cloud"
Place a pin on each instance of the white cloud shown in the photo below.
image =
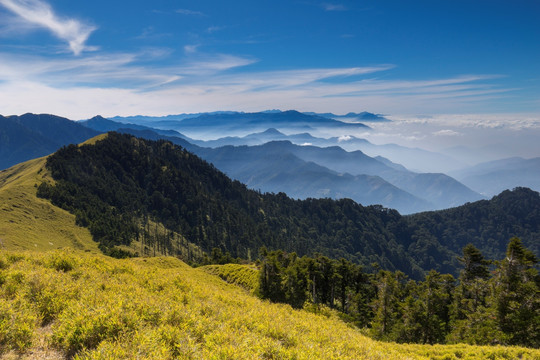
(343, 138)
(447, 132)
(212, 63)
(190, 49)
(39, 13)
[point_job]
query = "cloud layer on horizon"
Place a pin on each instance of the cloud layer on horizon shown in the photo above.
(190, 78)
(85, 85)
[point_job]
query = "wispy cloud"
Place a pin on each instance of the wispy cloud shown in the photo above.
(40, 14)
(333, 7)
(193, 81)
(190, 49)
(213, 29)
(135, 71)
(190, 12)
(150, 33)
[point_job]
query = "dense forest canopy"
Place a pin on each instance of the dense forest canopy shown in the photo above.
(479, 307)
(121, 181)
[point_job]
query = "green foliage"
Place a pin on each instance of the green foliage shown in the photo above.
(436, 238)
(340, 284)
(517, 295)
(119, 185)
(120, 181)
(501, 309)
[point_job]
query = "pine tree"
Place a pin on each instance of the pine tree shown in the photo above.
(517, 295)
(472, 314)
(387, 311)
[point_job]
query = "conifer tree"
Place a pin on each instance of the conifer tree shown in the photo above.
(472, 317)
(517, 295)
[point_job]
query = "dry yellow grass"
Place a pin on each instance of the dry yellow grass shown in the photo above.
(88, 306)
(28, 222)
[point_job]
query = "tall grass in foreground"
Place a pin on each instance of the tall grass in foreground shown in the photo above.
(96, 307)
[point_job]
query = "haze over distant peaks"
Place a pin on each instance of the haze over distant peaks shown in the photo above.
(230, 122)
(362, 116)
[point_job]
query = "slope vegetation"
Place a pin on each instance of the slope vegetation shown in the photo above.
(120, 181)
(28, 222)
(121, 184)
(85, 306)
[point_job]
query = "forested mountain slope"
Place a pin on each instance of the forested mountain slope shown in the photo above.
(484, 223)
(118, 182)
(112, 185)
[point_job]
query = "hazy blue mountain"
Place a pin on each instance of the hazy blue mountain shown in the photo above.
(56, 128)
(223, 123)
(29, 136)
(272, 167)
(260, 138)
(18, 143)
(390, 164)
(283, 120)
(101, 124)
(492, 177)
(438, 189)
(415, 159)
(412, 158)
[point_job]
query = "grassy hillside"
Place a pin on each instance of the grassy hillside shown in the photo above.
(245, 276)
(71, 303)
(28, 222)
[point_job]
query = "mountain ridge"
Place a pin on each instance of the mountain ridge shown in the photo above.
(337, 228)
(28, 136)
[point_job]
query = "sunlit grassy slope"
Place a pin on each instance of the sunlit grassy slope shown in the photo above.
(72, 303)
(27, 222)
(245, 276)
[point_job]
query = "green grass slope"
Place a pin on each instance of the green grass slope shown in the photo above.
(28, 222)
(60, 304)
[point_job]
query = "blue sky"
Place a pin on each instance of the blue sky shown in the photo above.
(81, 58)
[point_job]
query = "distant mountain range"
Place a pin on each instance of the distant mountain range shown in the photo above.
(212, 125)
(413, 158)
(299, 164)
(153, 121)
(337, 174)
(492, 177)
(29, 136)
(309, 171)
